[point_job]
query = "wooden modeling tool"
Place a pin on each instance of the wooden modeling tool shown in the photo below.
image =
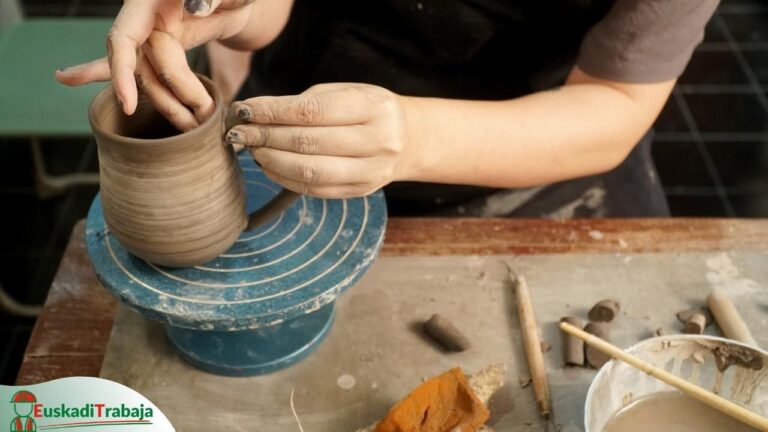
(712, 400)
(532, 346)
(728, 318)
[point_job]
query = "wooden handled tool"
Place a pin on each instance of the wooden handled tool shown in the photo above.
(712, 400)
(728, 318)
(532, 347)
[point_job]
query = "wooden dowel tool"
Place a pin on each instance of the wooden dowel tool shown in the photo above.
(712, 400)
(532, 345)
(728, 318)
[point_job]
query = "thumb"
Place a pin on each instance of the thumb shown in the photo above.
(97, 70)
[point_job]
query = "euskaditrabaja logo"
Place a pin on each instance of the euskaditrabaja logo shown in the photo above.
(79, 403)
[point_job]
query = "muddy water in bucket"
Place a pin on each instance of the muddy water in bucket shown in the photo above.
(624, 399)
(672, 412)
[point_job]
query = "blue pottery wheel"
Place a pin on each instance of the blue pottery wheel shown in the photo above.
(268, 301)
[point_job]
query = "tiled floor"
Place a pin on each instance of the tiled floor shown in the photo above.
(711, 149)
(711, 145)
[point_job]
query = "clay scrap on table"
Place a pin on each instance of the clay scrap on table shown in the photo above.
(449, 401)
(604, 311)
(595, 357)
(573, 347)
(575, 351)
(695, 324)
(444, 332)
(685, 315)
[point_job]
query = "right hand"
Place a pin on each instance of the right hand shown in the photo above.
(146, 46)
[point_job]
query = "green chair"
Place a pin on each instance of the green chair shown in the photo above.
(33, 105)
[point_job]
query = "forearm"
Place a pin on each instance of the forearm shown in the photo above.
(577, 130)
(263, 23)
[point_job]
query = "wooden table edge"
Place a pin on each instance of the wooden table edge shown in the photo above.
(80, 312)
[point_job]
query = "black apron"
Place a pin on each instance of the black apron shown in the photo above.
(464, 49)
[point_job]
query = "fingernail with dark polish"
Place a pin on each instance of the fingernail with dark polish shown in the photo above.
(244, 113)
(233, 137)
(197, 6)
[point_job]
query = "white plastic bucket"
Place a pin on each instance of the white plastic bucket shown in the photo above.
(692, 357)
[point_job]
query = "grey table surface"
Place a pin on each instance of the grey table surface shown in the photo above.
(376, 343)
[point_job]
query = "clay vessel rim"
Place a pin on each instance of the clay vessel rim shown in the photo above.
(215, 117)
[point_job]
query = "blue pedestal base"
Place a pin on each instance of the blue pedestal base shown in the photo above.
(253, 352)
(267, 302)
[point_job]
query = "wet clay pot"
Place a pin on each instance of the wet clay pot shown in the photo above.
(174, 199)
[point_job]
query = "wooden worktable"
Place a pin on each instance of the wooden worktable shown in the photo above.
(71, 335)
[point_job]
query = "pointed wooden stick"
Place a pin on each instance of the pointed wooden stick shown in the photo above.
(532, 346)
(712, 400)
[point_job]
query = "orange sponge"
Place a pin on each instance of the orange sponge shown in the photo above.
(441, 404)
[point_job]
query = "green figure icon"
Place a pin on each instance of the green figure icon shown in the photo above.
(22, 405)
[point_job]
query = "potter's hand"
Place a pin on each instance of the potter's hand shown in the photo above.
(332, 141)
(149, 27)
(162, 74)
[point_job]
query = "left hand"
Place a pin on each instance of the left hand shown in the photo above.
(148, 41)
(332, 141)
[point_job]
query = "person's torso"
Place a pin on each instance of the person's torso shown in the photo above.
(467, 49)
(474, 49)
